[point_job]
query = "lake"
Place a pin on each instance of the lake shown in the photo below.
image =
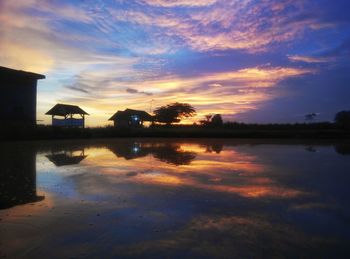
(171, 198)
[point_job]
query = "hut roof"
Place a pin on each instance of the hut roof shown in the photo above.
(9, 72)
(64, 159)
(65, 109)
(126, 115)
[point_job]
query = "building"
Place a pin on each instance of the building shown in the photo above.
(66, 114)
(130, 118)
(18, 97)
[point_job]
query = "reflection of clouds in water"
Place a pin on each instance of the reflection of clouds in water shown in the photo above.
(231, 237)
(248, 171)
(246, 201)
(162, 163)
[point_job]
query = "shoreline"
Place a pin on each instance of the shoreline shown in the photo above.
(51, 133)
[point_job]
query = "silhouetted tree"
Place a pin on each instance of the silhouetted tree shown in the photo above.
(207, 120)
(342, 119)
(216, 120)
(174, 112)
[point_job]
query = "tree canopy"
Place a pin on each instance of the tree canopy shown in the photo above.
(343, 119)
(174, 112)
(212, 120)
(216, 120)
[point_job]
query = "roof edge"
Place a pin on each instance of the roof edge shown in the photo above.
(22, 72)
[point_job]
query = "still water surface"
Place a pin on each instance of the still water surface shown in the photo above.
(174, 198)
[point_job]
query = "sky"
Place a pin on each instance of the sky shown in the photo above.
(251, 61)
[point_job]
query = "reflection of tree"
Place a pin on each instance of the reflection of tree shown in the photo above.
(167, 152)
(18, 176)
(343, 149)
(173, 154)
(216, 147)
(67, 157)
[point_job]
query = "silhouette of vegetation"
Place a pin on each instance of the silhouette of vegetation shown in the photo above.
(342, 119)
(211, 127)
(217, 121)
(173, 113)
(212, 121)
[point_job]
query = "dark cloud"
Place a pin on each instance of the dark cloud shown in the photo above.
(132, 91)
(342, 50)
(135, 91)
(79, 87)
(325, 93)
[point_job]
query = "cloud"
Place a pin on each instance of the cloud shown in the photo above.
(340, 51)
(134, 91)
(79, 88)
(308, 59)
(241, 90)
(183, 3)
(130, 52)
(25, 58)
(244, 25)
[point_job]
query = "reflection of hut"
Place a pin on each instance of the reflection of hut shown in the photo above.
(130, 118)
(129, 150)
(67, 157)
(18, 97)
(68, 112)
(18, 175)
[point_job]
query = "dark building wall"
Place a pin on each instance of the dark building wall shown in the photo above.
(18, 101)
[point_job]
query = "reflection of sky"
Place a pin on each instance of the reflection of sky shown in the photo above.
(243, 200)
(249, 60)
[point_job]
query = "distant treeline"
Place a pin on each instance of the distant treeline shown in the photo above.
(273, 126)
(165, 126)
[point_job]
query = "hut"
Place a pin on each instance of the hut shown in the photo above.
(130, 118)
(18, 97)
(66, 113)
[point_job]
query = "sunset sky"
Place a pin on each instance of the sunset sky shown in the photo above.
(252, 61)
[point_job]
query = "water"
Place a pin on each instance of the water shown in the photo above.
(174, 198)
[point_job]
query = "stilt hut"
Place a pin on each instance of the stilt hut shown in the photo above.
(130, 118)
(67, 116)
